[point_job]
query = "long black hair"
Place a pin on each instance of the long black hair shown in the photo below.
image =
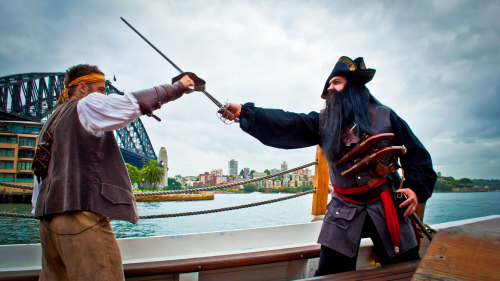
(351, 105)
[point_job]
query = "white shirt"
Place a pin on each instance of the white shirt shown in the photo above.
(100, 113)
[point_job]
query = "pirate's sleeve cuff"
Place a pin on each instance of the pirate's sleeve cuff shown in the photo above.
(152, 99)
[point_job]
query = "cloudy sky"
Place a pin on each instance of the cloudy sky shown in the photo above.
(437, 66)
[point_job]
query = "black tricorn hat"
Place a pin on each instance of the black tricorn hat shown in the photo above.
(353, 70)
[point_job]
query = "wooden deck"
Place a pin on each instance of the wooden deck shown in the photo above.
(401, 272)
(466, 252)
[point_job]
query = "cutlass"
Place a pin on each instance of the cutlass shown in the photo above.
(199, 83)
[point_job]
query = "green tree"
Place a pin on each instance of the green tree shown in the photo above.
(133, 173)
(173, 184)
(267, 172)
(152, 173)
(465, 182)
(251, 173)
(250, 187)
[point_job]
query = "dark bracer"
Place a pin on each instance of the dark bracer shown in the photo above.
(152, 99)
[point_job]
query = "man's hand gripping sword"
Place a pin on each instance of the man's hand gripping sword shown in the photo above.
(199, 83)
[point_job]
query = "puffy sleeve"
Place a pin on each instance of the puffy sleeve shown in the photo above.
(280, 129)
(417, 163)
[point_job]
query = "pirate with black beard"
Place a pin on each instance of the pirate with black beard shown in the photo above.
(363, 202)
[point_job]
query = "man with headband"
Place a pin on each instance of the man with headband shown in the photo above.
(363, 203)
(84, 181)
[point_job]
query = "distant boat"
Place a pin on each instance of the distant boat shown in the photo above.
(257, 192)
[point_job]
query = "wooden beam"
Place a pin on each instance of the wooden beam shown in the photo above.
(400, 271)
(220, 262)
(321, 182)
(466, 252)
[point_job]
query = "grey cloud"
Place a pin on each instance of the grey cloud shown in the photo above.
(437, 66)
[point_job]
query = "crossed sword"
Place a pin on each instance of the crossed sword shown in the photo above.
(222, 108)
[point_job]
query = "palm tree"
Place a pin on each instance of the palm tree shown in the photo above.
(152, 173)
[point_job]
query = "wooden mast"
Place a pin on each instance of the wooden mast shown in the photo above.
(321, 182)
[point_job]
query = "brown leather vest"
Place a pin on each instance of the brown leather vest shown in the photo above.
(381, 123)
(85, 173)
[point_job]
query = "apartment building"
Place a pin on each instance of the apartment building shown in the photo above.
(18, 141)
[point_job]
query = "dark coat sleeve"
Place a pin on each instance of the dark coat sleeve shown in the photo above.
(416, 163)
(280, 129)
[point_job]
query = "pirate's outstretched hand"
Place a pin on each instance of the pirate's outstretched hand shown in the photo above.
(186, 82)
(233, 108)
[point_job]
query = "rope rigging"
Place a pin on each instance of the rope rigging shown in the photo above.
(191, 190)
(29, 216)
(18, 215)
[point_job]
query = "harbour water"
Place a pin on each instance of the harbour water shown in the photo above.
(442, 207)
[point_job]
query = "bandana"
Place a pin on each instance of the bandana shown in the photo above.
(90, 78)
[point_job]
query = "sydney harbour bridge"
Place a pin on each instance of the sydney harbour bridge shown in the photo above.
(33, 97)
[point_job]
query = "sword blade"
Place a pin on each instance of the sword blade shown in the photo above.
(153, 46)
(214, 100)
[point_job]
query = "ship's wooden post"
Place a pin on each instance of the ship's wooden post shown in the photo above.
(420, 211)
(321, 181)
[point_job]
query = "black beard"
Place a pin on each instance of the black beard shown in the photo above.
(342, 109)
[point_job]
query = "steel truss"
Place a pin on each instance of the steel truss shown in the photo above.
(33, 97)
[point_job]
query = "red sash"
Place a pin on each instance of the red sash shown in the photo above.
(391, 217)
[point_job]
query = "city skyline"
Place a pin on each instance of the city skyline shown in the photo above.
(217, 171)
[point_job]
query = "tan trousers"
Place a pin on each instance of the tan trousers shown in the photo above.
(79, 246)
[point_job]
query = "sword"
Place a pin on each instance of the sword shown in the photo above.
(416, 218)
(200, 88)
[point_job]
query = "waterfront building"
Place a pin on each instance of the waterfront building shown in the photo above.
(204, 178)
(307, 172)
(217, 172)
(286, 183)
(292, 183)
(217, 179)
(18, 141)
(246, 173)
(286, 177)
(277, 183)
(163, 161)
(233, 167)
(258, 175)
(269, 183)
(284, 166)
(307, 183)
(221, 178)
(299, 172)
(300, 183)
(295, 177)
(275, 171)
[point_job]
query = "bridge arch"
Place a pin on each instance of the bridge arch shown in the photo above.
(33, 97)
